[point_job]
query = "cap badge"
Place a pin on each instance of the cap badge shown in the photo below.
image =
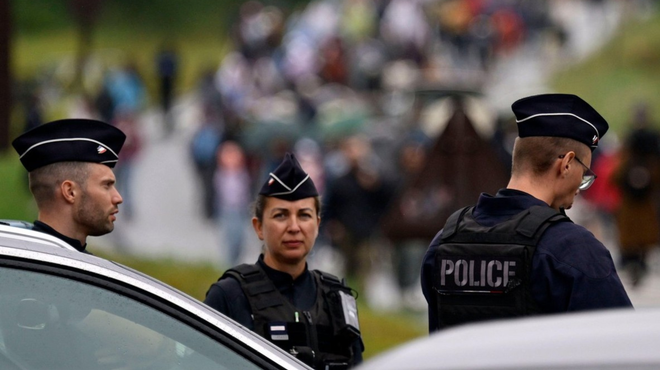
(270, 182)
(594, 140)
(101, 149)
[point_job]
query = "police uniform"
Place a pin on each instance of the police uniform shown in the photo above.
(305, 316)
(544, 263)
(69, 140)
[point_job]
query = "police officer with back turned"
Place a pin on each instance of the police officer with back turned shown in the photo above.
(308, 313)
(517, 253)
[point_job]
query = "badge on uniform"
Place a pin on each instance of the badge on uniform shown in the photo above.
(278, 331)
(478, 274)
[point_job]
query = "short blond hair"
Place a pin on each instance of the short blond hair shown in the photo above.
(536, 154)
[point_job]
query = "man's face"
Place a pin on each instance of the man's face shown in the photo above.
(96, 211)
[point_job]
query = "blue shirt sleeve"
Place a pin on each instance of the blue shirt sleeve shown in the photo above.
(573, 271)
(226, 296)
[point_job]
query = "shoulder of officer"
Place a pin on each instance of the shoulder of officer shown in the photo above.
(573, 245)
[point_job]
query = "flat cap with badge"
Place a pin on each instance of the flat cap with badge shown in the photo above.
(69, 140)
(289, 181)
(559, 115)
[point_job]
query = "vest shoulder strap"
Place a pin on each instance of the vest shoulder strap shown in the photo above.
(451, 226)
(537, 219)
(259, 290)
(328, 279)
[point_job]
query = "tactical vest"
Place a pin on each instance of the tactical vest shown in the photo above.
(319, 337)
(483, 273)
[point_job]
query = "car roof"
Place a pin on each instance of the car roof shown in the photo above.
(613, 339)
(19, 243)
(20, 237)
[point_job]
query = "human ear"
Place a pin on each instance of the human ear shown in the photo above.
(258, 228)
(69, 190)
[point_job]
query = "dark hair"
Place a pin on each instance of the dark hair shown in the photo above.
(538, 153)
(45, 180)
(260, 204)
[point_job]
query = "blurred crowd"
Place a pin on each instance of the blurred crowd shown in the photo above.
(626, 197)
(334, 82)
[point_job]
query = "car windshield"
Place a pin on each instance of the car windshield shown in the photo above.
(51, 322)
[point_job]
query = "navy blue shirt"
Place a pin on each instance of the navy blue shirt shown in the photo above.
(571, 269)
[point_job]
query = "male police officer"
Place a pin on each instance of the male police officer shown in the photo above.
(517, 253)
(69, 163)
(311, 314)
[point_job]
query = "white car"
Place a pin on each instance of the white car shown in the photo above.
(605, 339)
(62, 309)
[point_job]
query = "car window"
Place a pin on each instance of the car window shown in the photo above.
(52, 322)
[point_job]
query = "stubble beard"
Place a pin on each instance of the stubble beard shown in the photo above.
(93, 218)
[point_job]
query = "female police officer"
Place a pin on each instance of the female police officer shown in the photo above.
(311, 314)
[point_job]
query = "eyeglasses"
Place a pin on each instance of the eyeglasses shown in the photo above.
(588, 177)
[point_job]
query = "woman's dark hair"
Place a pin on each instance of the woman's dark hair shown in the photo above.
(260, 204)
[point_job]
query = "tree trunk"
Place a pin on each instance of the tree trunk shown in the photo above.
(5, 78)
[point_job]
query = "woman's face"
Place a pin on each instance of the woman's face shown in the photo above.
(289, 229)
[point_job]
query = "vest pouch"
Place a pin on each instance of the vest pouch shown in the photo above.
(344, 315)
(304, 354)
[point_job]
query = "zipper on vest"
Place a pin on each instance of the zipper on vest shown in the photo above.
(312, 336)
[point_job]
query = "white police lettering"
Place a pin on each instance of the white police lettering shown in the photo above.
(494, 273)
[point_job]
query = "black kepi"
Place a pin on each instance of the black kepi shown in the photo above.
(289, 181)
(70, 140)
(559, 115)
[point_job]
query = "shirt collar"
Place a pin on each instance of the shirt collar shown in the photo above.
(506, 203)
(280, 278)
(44, 228)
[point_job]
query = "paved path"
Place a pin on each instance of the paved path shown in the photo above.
(168, 217)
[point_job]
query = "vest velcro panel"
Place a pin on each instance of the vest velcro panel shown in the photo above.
(483, 272)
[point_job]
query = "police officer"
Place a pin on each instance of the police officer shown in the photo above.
(309, 313)
(517, 253)
(69, 164)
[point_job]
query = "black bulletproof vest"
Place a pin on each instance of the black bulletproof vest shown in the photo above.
(483, 273)
(317, 336)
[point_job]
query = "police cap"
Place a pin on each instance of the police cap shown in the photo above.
(69, 140)
(559, 115)
(289, 181)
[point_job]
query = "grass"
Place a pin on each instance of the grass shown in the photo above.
(625, 72)
(381, 331)
(15, 198)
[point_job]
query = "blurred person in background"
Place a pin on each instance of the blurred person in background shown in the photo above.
(278, 297)
(203, 149)
(355, 202)
(232, 196)
(70, 165)
(412, 156)
(126, 88)
(126, 121)
(638, 179)
(517, 253)
(167, 67)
